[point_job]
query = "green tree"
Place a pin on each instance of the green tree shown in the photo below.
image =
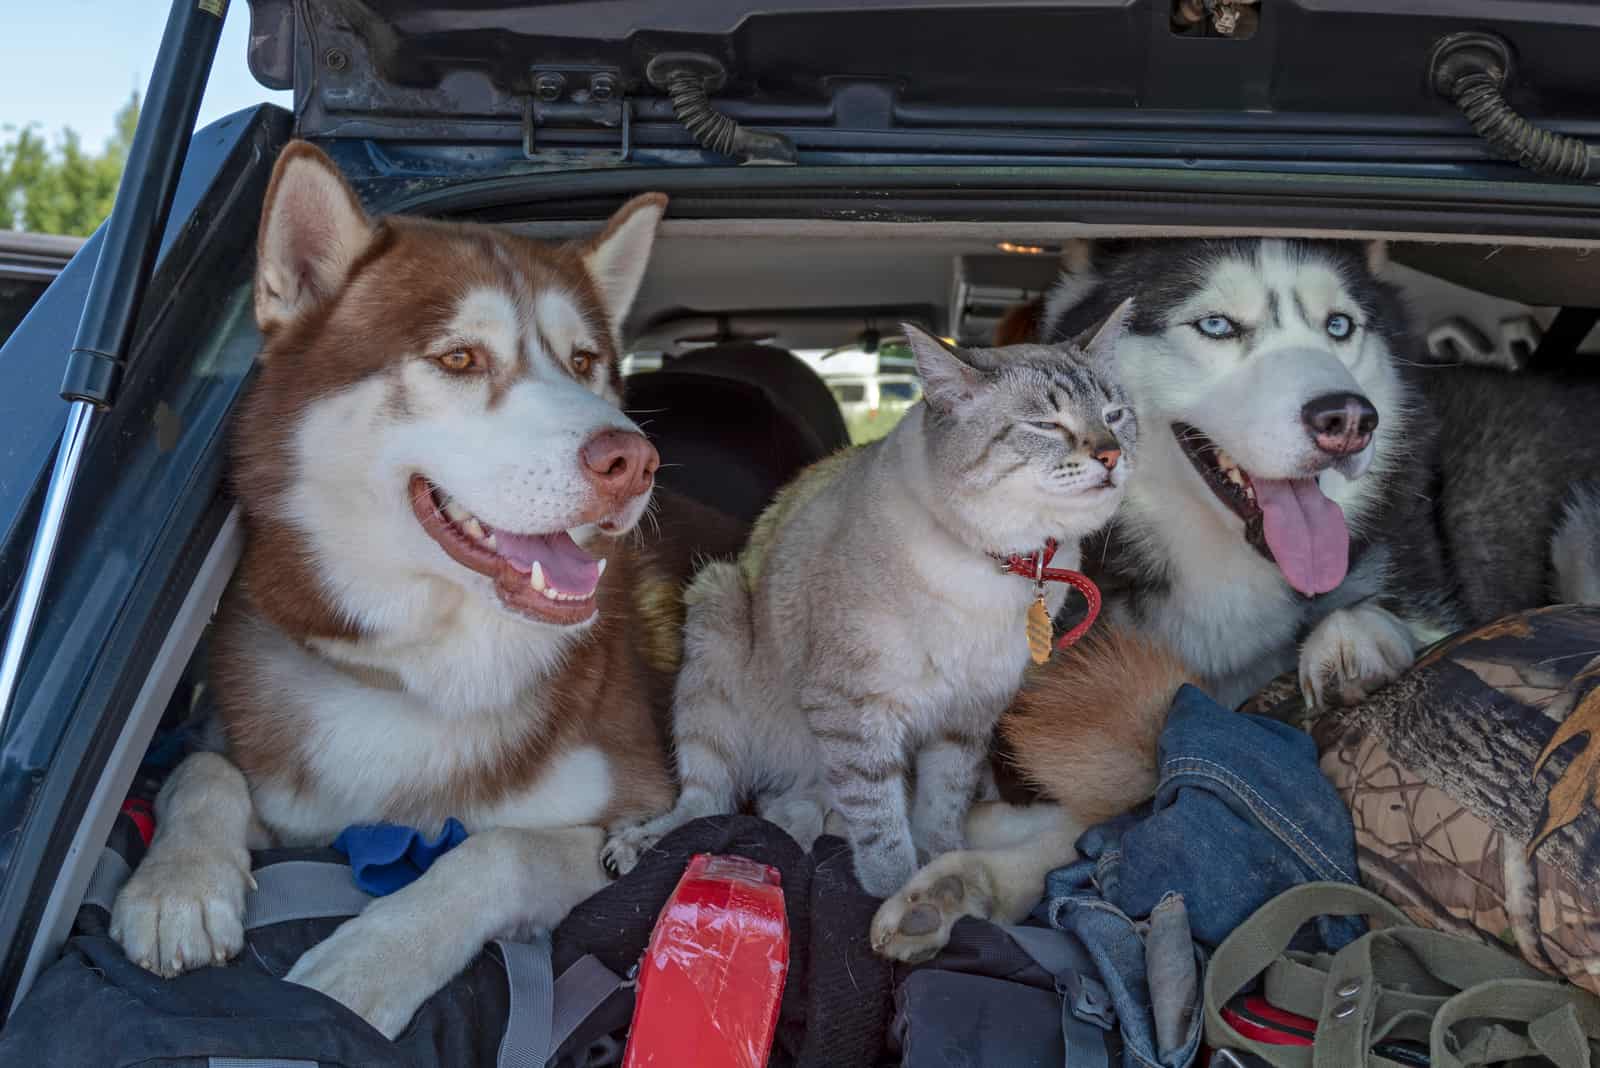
(66, 190)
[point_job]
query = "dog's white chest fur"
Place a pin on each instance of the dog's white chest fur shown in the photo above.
(374, 754)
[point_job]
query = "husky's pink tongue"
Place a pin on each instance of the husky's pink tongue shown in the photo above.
(566, 567)
(1305, 531)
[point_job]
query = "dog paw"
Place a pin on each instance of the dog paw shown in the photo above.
(1352, 654)
(183, 909)
(381, 972)
(914, 924)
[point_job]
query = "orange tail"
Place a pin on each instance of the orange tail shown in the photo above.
(1083, 731)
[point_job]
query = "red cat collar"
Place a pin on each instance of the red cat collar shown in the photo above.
(1036, 566)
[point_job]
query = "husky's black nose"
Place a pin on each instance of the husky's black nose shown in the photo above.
(1341, 424)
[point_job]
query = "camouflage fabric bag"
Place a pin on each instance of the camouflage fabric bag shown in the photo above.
(1472, 784)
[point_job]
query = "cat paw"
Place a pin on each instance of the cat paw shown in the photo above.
(914, 924)
(801, 818)
(183, 909)
(882, 870)
(1353, 654)
(622, 850)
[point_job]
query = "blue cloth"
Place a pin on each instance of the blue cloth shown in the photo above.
(1241, 814)
(387, 856)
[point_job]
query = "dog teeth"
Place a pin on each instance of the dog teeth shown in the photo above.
(456, 513)
(552, 594)
(602, 566)
(536, 577)
(474, 528)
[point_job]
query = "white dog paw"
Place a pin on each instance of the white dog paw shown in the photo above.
(183, 909)
(381, 973)
(914, 924)
(1352, 654)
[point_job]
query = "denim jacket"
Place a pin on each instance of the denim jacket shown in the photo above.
(1241, 814)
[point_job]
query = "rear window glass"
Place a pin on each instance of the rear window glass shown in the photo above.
(16, 297)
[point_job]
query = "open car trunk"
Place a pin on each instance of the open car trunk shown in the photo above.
(922, 163)
(753, 291)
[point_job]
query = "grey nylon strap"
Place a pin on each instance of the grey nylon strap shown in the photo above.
(580, 990)
(288, 890)
(302, 890)
(110, 872)
(1085, 1043)
(531, 1019)
(257, 1062)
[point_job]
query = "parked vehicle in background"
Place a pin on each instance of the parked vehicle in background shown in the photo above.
(873, 404)
(28, 264)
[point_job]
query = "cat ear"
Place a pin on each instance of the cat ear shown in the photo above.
(948, 380)
(312, 231)
(1099, 343)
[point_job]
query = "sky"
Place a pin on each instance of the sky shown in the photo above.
(74, 63)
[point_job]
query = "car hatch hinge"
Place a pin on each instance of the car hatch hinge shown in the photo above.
(576, 97)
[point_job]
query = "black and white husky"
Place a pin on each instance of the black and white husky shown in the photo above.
(1307, 484)
(1304, 486)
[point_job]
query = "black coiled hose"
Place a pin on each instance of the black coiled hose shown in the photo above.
(1512, 137)
(716, 131)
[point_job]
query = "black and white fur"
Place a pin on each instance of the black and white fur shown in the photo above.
(1473, 499)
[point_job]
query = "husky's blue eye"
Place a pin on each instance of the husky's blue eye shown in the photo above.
(1217, 327)
(1340, 326)
(1052, 427)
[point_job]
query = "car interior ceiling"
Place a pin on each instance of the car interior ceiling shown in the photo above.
(736, 413)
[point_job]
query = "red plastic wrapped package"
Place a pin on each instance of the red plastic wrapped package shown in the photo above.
(712, 977)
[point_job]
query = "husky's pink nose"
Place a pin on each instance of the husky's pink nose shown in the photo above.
(1341, 424)
(620, 463)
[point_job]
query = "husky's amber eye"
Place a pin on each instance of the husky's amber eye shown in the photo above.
(458, 361)
(582, 362)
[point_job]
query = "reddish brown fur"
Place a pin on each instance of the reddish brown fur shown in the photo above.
(391, 305)
(1084, 729)
(1020, 324)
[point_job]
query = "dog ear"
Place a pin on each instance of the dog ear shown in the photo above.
(312, 230)
(1377, 258)
(616, 260)
(1077, 255)
(948, 380)
(1099, 343)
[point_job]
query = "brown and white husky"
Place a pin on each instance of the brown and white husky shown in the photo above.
(439, 612)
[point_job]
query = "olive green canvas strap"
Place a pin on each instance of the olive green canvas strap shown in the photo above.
(1262, 939)
(1396, 982)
